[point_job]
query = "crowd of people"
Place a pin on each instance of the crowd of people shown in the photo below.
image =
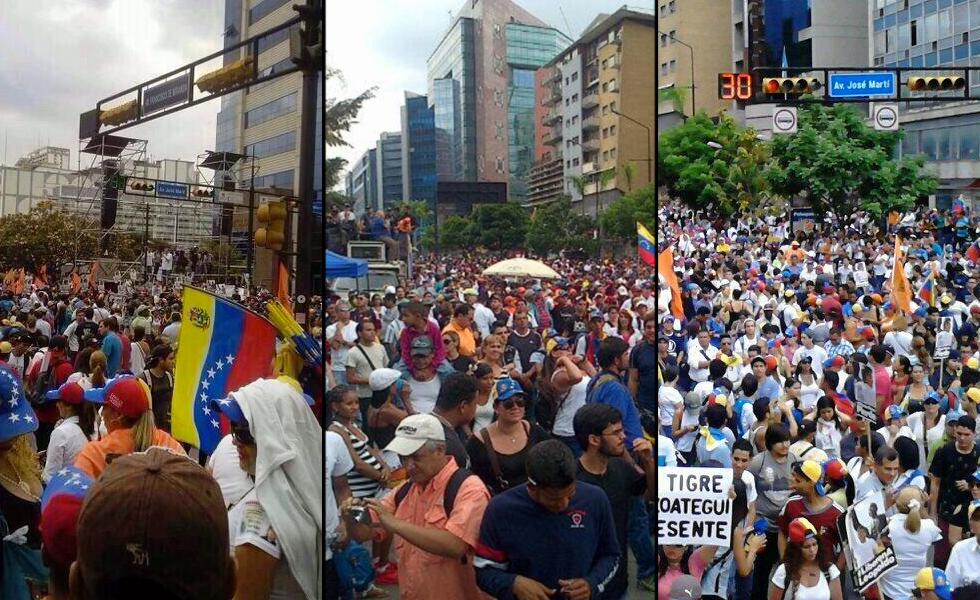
(841, 395)
(492, 438)
(99, 501)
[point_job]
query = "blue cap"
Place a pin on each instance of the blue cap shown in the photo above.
(69, 480)
(16, 415)
(230, 408)
(507, 388)
(895, 411)
(932, 396)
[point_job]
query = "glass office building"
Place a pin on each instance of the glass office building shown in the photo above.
(935, 33)
(528, 47)
(784, 19)
(419, 149)
(452, 95)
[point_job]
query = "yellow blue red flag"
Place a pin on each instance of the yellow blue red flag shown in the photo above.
(221, 347)
(646, 245)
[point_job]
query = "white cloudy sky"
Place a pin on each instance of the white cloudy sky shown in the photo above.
(385, 43)
(59, 57)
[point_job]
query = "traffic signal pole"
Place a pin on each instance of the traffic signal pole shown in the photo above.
(307, 159)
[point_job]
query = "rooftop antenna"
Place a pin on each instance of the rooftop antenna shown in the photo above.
(568, 29)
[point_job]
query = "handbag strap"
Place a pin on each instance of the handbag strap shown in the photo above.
(492, 456)
(366, 357)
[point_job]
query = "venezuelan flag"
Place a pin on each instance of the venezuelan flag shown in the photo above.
(221, 347)
(646, 245)
(927, 292)
(973, 252)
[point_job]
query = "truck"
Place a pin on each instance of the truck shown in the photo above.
(382, 272)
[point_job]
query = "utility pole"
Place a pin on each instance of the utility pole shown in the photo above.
(307, 52)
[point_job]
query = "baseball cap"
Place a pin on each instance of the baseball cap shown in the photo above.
(685, 587)
(556, 343)
(343, 305)
(470, 292)
(60, 506)
(931, 578)
(5, 347)
(127, 395)
(835, 469)
(381, 379)
(692, 402)
(895, 412)
(508, 387)
(976, 475)
(835, 362)
(811, 471)
(422, 346)
(70, 393)
(800, 529)
(16, 415)
(156, 501)
(974, 505)
(413, 432)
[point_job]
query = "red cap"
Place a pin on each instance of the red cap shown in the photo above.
(835, 469)
(69, 393)
(800, 529)
(59, 523)
(127, 395)
(975, 309)
(868, 333)
(837, 361)
(771, 362)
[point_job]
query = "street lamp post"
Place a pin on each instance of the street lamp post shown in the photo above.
(649, 135)
(691, 50)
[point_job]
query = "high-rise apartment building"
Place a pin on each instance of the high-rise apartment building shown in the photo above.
(389, 169)
(920, 33)
(600, 115)
(264, 120)
(481, 88)
(418, 150)
(361, 182)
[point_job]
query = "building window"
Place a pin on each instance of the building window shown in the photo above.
(567, 100)
(575, 162)
(496, 30)
(605, 63)
(283, 179)
(605, 132)
(671, 7)
(574, 119)
(263, 8)
(605, 109)
(612, 106)
(568, 164)
(673, 66)
(612, 130)
(279, 67)
(605, 86)
(663, 40)
(605, 155)
(575, 76)
(566, 81)
(498, 132)
(574, 97)
(271, 110)
(500, 165)
(612, 153)
(272, 146)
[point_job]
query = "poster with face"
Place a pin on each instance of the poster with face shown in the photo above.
(860, 274)
(944, 338)
(869, 552)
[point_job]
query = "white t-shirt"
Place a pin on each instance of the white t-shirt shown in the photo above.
(932, 434)
(750, 492)
(911, 550)
(424, 394)
(900, 341)
(821, 591)
(337, 462)
(227, 471)
(362, 366)
(67, 440)
(668, 399)
(964, 563)
(566, 412)
(248, 523)
(338, 356)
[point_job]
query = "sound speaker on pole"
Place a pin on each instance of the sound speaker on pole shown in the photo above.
(110, 194)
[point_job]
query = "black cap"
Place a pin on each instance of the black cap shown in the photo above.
(422, 346)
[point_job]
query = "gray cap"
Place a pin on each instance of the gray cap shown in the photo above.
(685, 587)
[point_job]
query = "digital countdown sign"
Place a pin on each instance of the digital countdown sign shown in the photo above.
(735, 86)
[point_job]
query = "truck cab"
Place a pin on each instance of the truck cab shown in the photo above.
(381, 274)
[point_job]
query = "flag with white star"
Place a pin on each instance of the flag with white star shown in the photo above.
(16, 415)
(67, 480)
(221, 347)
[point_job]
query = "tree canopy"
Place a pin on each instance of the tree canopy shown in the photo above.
(619, 219)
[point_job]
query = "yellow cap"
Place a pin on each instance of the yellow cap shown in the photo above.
(721, 399)
(6, 348)
(973, 363)
(973, 394)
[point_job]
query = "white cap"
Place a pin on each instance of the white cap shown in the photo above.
(390, 289)
(381, 379)
(413, 432)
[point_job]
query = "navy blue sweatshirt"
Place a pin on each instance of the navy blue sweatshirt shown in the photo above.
(520, 537)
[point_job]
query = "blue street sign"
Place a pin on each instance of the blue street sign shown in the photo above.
(860, 85)
(171, 189)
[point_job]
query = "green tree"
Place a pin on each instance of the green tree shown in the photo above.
(555, 227)
(724, 177)
(579, 182)
(455, 231)
(339, 115)
(629, 171)
(619, 219)
(677, 96)
(840, 165)
(499, 226)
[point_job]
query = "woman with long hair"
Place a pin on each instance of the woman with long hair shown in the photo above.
(912, 535)
(498, 452)
(486, 392)
(928, 425)
(450, 341)
(128, 419)
(831, 426)
(75, 429)
(901, 372)
(493, 354)
(624, 326)
(802, 574)
(674, 560)
(809, 386)
(911, 396)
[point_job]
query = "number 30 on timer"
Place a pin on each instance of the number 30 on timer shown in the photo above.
(735, 86)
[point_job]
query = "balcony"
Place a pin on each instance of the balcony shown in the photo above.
(551, 118)
(590, 145)
(553, 76)
(614, 62)
(590, 101)
(551, 97)
(553, 138)
(618, 41)
(590, 123)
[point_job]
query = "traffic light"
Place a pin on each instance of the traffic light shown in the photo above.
(272, 215)
(918, 83)
(118, 115)
(790, 85)
(228, 76)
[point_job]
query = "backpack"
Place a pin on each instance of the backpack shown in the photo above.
(449, 495)
(596, 383)
(43, 382)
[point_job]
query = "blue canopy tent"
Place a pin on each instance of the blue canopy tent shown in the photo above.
(336, 265)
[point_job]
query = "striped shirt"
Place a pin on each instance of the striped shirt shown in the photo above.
(361, 486)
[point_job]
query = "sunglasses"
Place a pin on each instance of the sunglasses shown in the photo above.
(509, 404)
(447, 340)
(242, 435)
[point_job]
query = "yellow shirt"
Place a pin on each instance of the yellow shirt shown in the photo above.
(467, 342)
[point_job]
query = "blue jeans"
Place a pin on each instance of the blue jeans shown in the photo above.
(640, 539)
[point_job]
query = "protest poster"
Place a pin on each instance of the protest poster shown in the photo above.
(860, 275)
(694, 507)
(869, 552)
(944, 338)
(864, 393)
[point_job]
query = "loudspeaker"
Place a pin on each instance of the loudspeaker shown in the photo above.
(110, 194)
(227, 210)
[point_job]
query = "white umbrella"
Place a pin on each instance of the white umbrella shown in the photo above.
(522, 267)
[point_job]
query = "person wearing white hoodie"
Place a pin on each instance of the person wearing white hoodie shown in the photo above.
(276, 528)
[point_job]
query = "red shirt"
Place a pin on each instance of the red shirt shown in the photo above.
(825, 522)
(883, 387)
(126, 349)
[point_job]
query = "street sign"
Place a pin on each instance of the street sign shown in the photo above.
(885, 117)
(861, 85)
(237, 198)
(166, 94)
(172, 189)
(784, 119)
